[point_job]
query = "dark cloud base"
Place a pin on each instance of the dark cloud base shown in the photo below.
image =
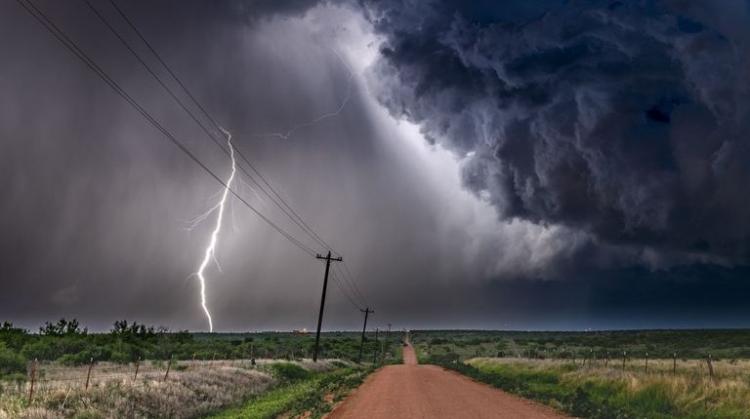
(626, 120)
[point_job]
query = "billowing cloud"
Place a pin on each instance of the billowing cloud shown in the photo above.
(624, 120)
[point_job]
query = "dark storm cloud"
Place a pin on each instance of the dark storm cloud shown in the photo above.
(570, 121)
(626, 120)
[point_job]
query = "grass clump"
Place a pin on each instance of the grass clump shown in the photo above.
(287, 372)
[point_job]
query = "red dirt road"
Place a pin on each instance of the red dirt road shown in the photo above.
(428, 391)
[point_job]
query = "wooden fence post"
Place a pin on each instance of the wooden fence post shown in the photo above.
(674, 364)
(169, 366)
(710, 368)
(33, 379)
(646, 363)
(88, 374)
(624, 355)
(137, 366)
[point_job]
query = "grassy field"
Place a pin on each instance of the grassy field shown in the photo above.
(629, 374)
(309, 396)
(191, 389)
(687, 344)
(596, 391)
(139, 371)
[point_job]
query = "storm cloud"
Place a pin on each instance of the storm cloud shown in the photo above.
(485, 164)
(624, 120)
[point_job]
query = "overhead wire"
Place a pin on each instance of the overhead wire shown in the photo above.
(352, 289)
(43, 19)
(274, 195)
(60, 35)
(344, 291)
(212, 136)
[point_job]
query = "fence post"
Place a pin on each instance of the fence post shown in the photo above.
(137, 366)
(710, 368)
(646, 362)
(33, 379)
(624, 355)
(169, 365)
(88, 374)
(674, 364)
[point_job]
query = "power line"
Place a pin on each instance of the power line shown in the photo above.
(343, 291)
(274, 195)
(349, 293)
(287, 209)
(60, 35)
(305, 229)
(354, 283)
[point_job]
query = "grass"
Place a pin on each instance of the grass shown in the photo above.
(688, 344)
(310, 395)
(599, 391)
(193, 389)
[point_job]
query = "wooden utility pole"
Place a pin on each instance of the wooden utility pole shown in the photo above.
(367, 312)
(328, 260)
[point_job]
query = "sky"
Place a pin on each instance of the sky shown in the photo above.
(545, 165)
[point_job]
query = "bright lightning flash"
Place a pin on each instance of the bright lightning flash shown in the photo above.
(211, 249)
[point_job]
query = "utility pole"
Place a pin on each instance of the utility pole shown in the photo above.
(328, 260)
(367, 311)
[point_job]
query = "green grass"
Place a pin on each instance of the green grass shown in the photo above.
(315, 393)
(599, 392)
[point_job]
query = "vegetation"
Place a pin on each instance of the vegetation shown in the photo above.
(140, 371)
(310, 395)
(628, 374)
(596, 391)
(67, 343)
(687, 344)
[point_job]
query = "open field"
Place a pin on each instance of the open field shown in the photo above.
(607, 374)
(191, 389)
(687, 344)
(136, 371)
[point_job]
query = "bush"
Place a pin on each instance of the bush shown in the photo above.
(11, 362)
(287, 371)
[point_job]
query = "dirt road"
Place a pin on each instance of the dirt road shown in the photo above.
(427, 391)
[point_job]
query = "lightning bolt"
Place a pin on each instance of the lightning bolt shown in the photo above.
(336, 112)
(210, 253)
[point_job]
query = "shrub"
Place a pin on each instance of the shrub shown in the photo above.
(287, 371)
(11, 362)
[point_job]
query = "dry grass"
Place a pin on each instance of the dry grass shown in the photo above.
(689, 391)
(192, 389)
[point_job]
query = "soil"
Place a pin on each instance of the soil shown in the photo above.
(427, 391)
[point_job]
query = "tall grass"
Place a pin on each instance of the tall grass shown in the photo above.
(607, 391)
(304, 395)
(193, 389)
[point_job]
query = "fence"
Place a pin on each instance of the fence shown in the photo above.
(151, 388)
